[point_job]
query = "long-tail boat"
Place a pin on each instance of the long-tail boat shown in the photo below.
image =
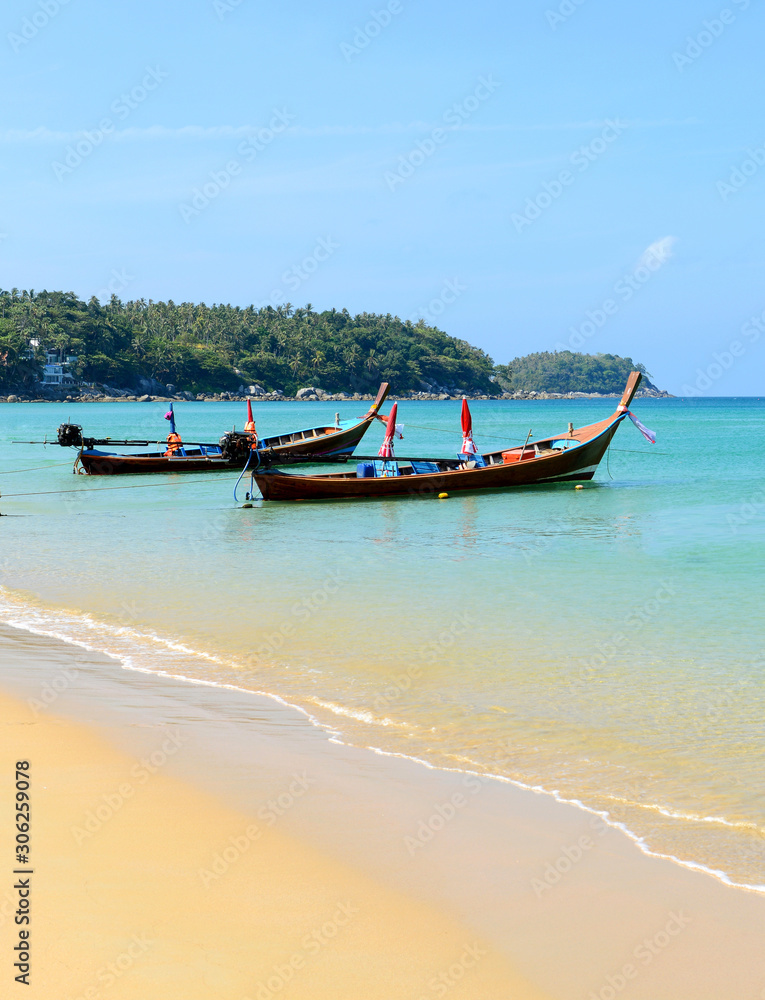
(571, 456)
(334, 442)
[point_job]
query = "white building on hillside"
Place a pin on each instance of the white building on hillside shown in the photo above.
(57, 370)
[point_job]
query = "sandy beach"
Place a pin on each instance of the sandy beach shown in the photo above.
(190, 840)
(145, 887)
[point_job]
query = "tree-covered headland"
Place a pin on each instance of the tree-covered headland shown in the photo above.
(200, 348)
(203, 348)
(569, 371)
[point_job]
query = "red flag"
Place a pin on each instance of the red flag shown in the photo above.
(386, 448)
(468, 444)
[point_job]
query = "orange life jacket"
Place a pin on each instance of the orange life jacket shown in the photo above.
(173, 443)
(249, 428)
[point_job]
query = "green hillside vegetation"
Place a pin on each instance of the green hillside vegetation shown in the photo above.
(567, 371)
(198, 347)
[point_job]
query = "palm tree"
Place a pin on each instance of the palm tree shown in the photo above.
(352, 356)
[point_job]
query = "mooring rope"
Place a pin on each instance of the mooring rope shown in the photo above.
(241, 475)
(36, 468)
(99, 489)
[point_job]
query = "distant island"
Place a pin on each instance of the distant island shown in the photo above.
(564, 372)
(54, 345)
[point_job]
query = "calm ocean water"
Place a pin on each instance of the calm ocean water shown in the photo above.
(606, 644)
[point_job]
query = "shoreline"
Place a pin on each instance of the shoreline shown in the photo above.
(531, 396)
(517, 867)
(328, 729)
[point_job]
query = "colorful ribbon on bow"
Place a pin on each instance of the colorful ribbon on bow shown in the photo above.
(647, 433)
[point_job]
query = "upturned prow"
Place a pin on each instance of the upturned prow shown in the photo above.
(382, 392)
(630, 389)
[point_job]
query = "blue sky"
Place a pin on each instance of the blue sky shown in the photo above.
(526, 176)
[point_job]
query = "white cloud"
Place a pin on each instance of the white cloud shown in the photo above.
(660, 250)
(203, 133)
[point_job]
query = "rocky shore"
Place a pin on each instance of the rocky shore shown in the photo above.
(150, 390)
(303, 395)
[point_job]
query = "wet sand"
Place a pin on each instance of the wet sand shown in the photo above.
(192, 841)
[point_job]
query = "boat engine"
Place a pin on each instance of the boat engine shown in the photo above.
(70, 436)
(235, 446)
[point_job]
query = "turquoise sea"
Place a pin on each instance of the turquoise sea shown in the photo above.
(606, 644)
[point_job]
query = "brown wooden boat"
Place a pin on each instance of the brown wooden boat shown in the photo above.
(323, 444)
(568, 457)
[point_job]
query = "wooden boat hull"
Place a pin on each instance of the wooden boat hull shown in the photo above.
(577, 462)
(327, 443)
(104, 463)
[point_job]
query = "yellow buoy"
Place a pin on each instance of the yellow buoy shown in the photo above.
(579, 487)
(443, 496)
(246, 505)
